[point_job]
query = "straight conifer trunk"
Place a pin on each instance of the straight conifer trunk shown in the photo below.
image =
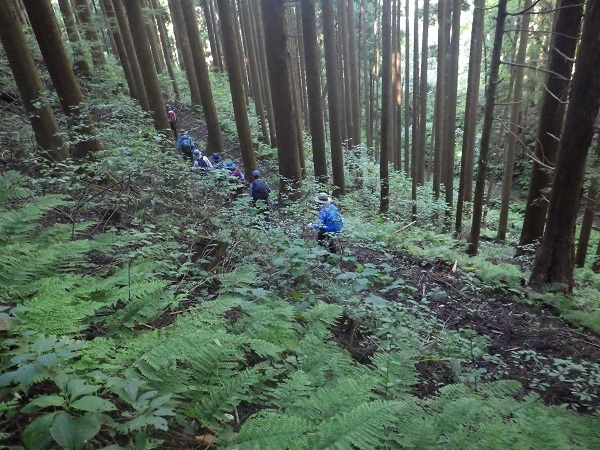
(144, 55)
(555, 259)
(353, 63)
(386, 88)
(564, 42)
(280, 77)
(486, 134)
(232, 58)
(515, 109)
(333, 92)
(590, 211)
(313, 81)
(420, 162)
(132, 58)
(440, 98)
(80, 65)
(89, 31)
(472, 104)
(214, 139)
(29, 84)
(212, 37)
(164, 42)
(47, 33)
(183, 44)
(120, 46)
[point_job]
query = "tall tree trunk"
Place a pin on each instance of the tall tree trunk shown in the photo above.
(490, 100)
(420, 163)
(366, 72)
(415, 103)
(254, 72)
(214, 139)
(259, 41)
(313, 82)
(515, 109)
(386, 88)
(132, 58)
(183, 44)
(212, 38)
(353, 63)
(47, 34)
(144, 56)
(217, 28)
(232, 56)
(472, 104)
(29, 84)
(122, 53)
(440, 99)
(89, 31)
(153, 40)
(450, 113)
(407, 112)
(554, 262)
(396, 79)
(280, 77)
(590, 211)
(564, 41)
(344, 67)
(81, 65)
(335, 124)
(164, 42)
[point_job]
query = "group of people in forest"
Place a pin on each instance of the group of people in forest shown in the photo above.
(329, 220)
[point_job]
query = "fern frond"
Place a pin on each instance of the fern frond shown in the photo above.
(366, 426)
(270, 430)
(321, 317)
(291, 391)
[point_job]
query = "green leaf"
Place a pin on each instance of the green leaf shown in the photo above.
(93, 403)
(78, 387)
(64, 431)
(43, 402)
(37, 434)
(88, 426)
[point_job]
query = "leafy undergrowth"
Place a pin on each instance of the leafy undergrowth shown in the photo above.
(116, 335)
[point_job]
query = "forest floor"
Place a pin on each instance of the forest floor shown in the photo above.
(529, 344)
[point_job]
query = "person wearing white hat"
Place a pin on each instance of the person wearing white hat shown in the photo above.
(329, 222)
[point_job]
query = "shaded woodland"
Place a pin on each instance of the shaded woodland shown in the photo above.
(145, 305)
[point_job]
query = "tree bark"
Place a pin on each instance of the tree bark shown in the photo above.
(420, 162)
(81, 65)
(42, 19)
(560, 64)
(144, 56)
(439, 98)
(590, 211)
(554, 262)
(29, 84)
(183, 44)
(386, 88)
(89, 31)
(353, 64)
(472, 104)
(490, 100)
(515, 109)
(280, 77)
(212, 37)
(132, 58)
(366, 72)
(313, 82)
(214, 139)
(122, 53)
(232, 57)
(335, 123)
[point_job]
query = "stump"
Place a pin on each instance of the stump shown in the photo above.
(210, 251)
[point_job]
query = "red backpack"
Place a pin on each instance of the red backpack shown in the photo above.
(172, 117)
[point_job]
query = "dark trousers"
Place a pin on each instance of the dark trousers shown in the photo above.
(173, 126)
(325, 239)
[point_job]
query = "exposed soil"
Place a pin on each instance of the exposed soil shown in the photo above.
(531, 344)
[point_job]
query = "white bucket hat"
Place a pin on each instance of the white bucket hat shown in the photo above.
(322, 197)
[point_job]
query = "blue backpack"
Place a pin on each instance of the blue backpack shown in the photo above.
(187, 146)
(333, 220)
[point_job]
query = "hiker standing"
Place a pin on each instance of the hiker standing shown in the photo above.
(329, 222)
(172, 121)
(259, 190)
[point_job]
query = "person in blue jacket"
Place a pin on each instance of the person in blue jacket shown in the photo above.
(329, 222)
(186, 145)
